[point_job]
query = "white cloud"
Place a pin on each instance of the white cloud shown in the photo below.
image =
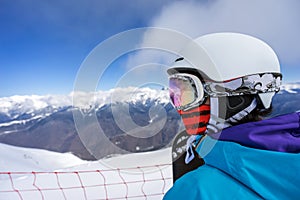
(275, 22)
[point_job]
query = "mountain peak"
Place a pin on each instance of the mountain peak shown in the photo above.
(291, 87)
(13, 107)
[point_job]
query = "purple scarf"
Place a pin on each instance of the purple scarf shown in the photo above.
(280, 133)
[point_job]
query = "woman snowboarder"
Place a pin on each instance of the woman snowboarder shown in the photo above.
(244, 155)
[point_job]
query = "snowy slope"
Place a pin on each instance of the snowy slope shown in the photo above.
(134, 175)
(14, 159)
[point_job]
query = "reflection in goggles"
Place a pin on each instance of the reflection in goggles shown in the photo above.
(181, 92)
(185, 90)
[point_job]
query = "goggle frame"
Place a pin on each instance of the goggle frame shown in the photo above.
(246, 85)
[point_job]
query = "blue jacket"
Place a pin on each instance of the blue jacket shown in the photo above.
(233, 171)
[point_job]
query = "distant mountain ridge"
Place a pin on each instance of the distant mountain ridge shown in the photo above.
(16, 109)
(47, 122)
(287, 100)
(19, 108)
(290, 87)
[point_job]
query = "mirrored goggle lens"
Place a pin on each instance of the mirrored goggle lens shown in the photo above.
(184, 91)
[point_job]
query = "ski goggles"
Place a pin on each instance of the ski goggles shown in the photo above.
(187, 90)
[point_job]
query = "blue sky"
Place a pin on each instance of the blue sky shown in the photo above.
(44, 42)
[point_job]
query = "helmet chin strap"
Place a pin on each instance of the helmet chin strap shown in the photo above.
(217, 123)
(240, 115)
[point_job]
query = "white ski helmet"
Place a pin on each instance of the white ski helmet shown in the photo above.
(231, 64)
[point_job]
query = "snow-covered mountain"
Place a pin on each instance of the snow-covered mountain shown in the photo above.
(47, 121)
(290, 88)
(22, 109)
(287, 100)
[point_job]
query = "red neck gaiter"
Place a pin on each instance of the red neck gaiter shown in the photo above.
(196, 119)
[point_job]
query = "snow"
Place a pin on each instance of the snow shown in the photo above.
(24, 121)
(42, 106)
(14, 159)
(27, 103)
(27, 173)
(64, 176)
(291, 87)
(129, 94)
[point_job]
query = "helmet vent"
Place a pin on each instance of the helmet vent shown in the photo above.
(179, 59)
